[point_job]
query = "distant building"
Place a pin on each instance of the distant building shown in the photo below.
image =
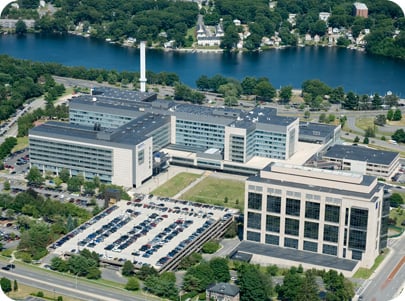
(207, 36)
(324, 16)
(222, 292)
(364, 160)
(360, 9)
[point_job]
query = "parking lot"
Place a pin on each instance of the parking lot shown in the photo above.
(18, 162)
(148, 230)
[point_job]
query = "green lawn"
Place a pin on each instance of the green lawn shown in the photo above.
(176, 184)
(213, 190)
(399, 215)
(364, 273)
(22, 142)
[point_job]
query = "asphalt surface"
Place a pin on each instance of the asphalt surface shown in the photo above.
(386, 281)
(69, 286)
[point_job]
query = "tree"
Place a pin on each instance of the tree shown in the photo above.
(376, 101)
(34, 176)
(369, 132)
(74, 184)
(197, 278)
(380, 120)
(322, 118)
(127, 268)
(146, 272)
(366, 140)
(203, 83)
(265, 91)
(20, 27)
(308, 291)
(397, 115)
(248, 85)
(163, 285)
(15, 285)
(5, 284)
(285, 94)
(132, 284)
(396, 200)
(399, 136)
(351, 101)
(390, 114)
(230, 38)
(251, 283)
(356, 139)
(64, 175)
(210, 247)
(307, 114)
(7, 185)
(220, 268)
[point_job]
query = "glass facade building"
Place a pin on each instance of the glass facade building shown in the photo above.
(302, 208)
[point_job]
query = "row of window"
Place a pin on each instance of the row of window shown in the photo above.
(293, 208)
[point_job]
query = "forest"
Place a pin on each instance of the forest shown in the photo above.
(162, 20)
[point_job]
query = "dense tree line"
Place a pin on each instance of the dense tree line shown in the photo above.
(85, 264)
(22, 80)
(7, 146)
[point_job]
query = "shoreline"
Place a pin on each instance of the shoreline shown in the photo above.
(217, 50)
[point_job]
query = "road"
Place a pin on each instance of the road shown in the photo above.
(386, 281)
(70, 286)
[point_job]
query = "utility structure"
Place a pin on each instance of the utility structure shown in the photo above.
(142, 78)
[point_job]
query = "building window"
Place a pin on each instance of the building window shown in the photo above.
(292, 207)
(273, 204)
(141, 157)
(358, 218)
(311, 230)
(357, 239)
(310, 246)
(272, 239)
(272, 223)
(254, 201)
(253, 236)
(357, 255)
(330, 250)
(332, 213)
(291, 243)
(312, 210)
(292, 226)
(254, 220)
(330, 233)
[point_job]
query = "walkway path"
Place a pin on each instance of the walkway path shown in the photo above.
(204, 176)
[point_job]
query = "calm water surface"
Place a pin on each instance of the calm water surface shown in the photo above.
(353, 70)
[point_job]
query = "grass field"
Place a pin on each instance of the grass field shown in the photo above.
(364, 273)
(213, 190)
(399, 215)
(25, 291)
(175, 184)
(22, 142)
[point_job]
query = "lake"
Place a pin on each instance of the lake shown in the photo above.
(355, 71)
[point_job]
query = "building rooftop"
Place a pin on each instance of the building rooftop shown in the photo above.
(123, 94)
(297, 256)
(224, 289)
(360, 5)
(310, 131)
(358, 153)
(128, 135)
(339, 190)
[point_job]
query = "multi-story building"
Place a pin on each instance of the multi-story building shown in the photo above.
(364, 160)
(122, 156)
(328, 213)
(219, 138)
(360, 9)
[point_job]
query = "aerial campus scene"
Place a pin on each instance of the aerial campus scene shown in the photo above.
(202, 150)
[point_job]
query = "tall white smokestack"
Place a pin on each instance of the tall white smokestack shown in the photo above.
(142, 78)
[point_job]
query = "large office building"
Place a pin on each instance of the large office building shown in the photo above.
(338, 216)
(218, 138)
